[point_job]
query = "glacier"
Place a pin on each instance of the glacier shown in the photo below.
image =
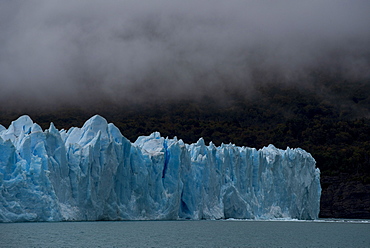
(95, 173)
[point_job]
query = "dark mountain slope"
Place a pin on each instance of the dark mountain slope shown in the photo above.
(329, 118)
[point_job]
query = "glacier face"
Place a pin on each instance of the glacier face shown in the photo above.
(94, 173)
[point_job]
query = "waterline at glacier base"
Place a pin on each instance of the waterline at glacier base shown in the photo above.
(94, 173)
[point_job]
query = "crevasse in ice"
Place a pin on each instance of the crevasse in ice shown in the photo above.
(94, 173)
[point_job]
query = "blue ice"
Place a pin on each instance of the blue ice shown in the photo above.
(95, 173)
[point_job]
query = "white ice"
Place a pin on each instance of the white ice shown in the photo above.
(94, 173)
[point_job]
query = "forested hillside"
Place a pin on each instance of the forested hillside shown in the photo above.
(330, 119)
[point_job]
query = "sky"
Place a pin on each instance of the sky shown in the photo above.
(76, 52)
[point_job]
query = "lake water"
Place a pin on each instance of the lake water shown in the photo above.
(187, 234)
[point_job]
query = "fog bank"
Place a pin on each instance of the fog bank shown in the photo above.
(57, 52)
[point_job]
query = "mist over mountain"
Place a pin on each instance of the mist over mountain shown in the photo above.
(290, 73)
(54, 53)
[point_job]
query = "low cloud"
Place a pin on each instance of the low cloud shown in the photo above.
(76, 52)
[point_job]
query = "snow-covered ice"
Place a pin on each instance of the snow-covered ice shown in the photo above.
(94, 173)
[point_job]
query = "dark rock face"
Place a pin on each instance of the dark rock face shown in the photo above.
(344, 197)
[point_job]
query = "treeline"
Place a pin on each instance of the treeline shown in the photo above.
(339, 145)
(330, 120)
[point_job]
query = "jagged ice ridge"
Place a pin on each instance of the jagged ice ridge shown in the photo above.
(94, 173)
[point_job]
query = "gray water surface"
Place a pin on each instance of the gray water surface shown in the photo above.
(186, 234)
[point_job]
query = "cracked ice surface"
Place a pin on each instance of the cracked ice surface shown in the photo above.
(94, 173)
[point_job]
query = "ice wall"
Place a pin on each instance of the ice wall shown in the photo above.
(94, 173)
